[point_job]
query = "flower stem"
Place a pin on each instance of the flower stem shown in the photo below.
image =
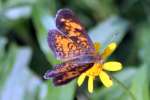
(124, 88)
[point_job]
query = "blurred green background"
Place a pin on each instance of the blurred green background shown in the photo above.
(25, 56)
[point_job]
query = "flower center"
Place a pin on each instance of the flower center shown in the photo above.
(94, 70)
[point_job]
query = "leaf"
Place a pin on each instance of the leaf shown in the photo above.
(19, 81)
(111, 30)
(15, 13)
(140, 84)
(49, 91)
(143, 37)
(14, 3)
(43, 21)
(6, 60)
(102, 9)
(3, 42)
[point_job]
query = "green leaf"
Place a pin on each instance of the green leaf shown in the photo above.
(3, 42)
(111, 30)
(65, 92)
(102, 9)
(6, 60)
(140, 84)
(15, 13)
(142, 80)
(19, 81)
(43, 21)
(143, 37)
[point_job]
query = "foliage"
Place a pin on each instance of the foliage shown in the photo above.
(25, 56)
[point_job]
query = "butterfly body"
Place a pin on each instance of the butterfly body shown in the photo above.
(72, 45)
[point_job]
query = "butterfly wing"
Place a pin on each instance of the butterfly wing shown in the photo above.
(67, 71)
(69, 24)
(59, 69)
(63, 47)
(69, 65)
(68, 76)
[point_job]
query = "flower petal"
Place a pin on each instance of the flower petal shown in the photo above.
(90, 84)
(81, 79)
(97, 46)
(105, 79)
(112, 66)
(109, 50)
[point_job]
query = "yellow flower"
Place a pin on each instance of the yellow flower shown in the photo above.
(98, 69)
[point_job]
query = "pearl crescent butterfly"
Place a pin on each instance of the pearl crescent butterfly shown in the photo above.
(71, 44)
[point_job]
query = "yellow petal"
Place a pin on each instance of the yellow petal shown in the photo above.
(112, 66)
(90, 84)
(97, 46)
(81, 79)
(105, 79)
(109, 50)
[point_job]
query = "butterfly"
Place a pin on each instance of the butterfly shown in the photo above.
(70, 44)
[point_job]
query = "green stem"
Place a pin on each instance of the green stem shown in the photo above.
(124, 88)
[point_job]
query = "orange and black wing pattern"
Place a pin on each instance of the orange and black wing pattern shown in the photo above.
(65, 72)
(63, 47)
(70, 40)
(68, 76)
(69, 25)
(67, 66)
(72, 45)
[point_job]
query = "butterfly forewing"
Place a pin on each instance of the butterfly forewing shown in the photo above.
(63, 47)
(69, 24)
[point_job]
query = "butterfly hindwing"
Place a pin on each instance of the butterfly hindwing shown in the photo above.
(71, 65)
(67, 76)
(60, 68)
